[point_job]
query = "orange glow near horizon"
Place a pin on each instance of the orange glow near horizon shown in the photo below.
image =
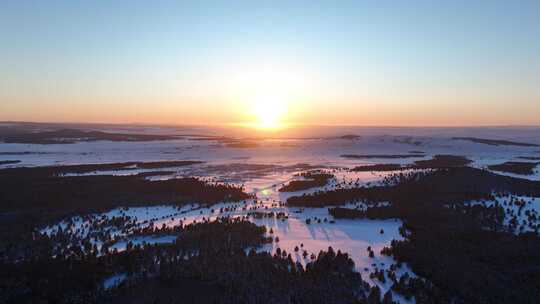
(269, 107)
(271, 95)
(270, 111)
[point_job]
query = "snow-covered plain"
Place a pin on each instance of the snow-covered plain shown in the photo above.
(263, 170)
(351, 236)
(316, 147)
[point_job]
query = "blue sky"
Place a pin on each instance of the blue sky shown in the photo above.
(414, 58)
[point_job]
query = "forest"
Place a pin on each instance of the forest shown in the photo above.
(311, 180)
(465, 251)
(209, 262)
(523, 168)
(462, 253)
(34, 197)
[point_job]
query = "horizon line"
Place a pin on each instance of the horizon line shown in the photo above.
(288, 125)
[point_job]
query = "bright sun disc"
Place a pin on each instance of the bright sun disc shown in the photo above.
(268, 112)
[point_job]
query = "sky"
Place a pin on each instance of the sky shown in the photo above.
(376, 63)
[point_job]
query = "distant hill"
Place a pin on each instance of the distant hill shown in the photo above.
(495, 142)
(69, 136)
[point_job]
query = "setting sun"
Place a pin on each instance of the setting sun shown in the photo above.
(268, 112)
(267, 94)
